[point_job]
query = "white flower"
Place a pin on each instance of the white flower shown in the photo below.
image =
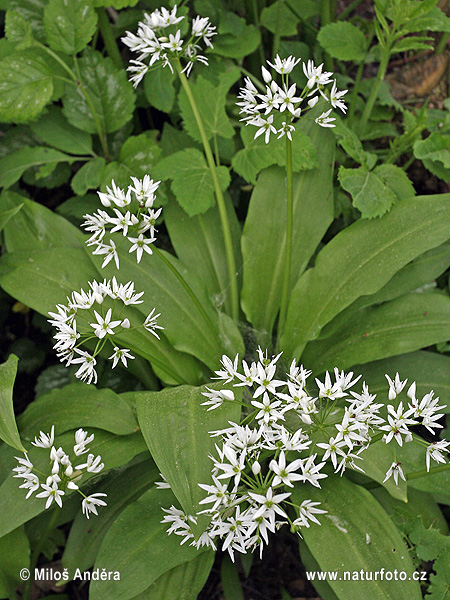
(46, 439)
(104, 325)
(307, 510)
(434, 451)
(314, 75)
(284, 65)
(51, 492)
(324, 120)
(217, 397)
(86, 372)
(269, 504)
(395, 386)
(285, 473)
(89, 504)
(288, 98)
(150, 323)
(395, 470)
(110, 251)
(81, 439)
(265, 126)
(141, 244)
(92, 464)
(120, 354)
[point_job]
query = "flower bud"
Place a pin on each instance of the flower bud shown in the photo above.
(126, 324)
(256, 468)
(313, 101)
(266, 75)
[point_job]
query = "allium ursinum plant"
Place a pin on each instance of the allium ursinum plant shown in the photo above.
(261, 459)
(158, 40)
(285, 101)
(97, 315)
(131, 214)
(65, 471)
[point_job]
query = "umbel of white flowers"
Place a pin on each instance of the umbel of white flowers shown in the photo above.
(97, 314)
(131, 213)
(158, 40)
(65, 471)
(259, 462)
(259, 109)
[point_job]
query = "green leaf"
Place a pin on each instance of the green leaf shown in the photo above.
(26, 85)
(110, 92)
(117, 4)
(18, 30)
(279, 19)
(6, 215)
(183, 582)
(192, 182)
(429, 542)
(263, 238)
(402, 325)
(37, 227)
(14, 556)
(235, 39)
(78, 405)
(69, 25)
(86, 537)
(13, 166)
(360, 260)
(134, 546)
(343, 41)
(357, 523)
(435, 20)
(89, 176)
(210, 100)
(8, 427)
(115, 451)
(369, 193)
(257, 155)
(230, 580)
(54, 130)
(439, 582)
(435, 147)
(430, 370)
(176, 429)
(33, 12)
(199, 241)
(352, 145)
(159, 89)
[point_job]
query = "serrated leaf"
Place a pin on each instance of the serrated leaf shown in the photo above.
(110, 92)
(26, 85)
(434, 20)
(436, 147)
(439, 582)
(17, 29)
(211, 101)
(13, 166)
(371, 196)
(352, 145)
(343, 41)
(54, 130)
(8, 427)
(89, 176)
(159, 89)
(69, 24)
(33, 12)
(192, 182)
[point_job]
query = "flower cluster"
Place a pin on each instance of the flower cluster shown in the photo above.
(291, 437)
(64, 472)
(132, 214)
(285, 99)
(96, 314)
(159, 41)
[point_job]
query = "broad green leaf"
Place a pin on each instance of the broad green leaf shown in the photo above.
(199, 241)
(360, 260)
(6, 215)
(435, 147)
(230, 580)
(117, 4)
(176, 429)
(137, 158)
(418, 275)
(159, 89)
(54, 130)
(13, 166)
(111, 95)
(263, 238)
(437, 169)
(279, 19)
(343, 41)
(439, 581)
(403, 325)
(115, 451)
(430, 370)
(69, 24)
(14, 556)
(26, 85)
(352, 145)
(235, 39)
(33, 12)
(8, 427)
(356, 523)
(370, 194)
(377, 459)
(210, 100)
(434, 20)
(89, 176)
(257, 155)
(134, 546)
(85, 537)
(37, 227)
(183, 582)
(78, 405)
(18, 29)
(192, 181)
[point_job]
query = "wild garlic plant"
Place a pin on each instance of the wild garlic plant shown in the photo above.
(97, 316)
(275, 447)
(64, 473)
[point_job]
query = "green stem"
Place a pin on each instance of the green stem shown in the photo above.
(108, 38)
(355, 90)
(231, 263)
(350, 8)
(376, 86)
(289, 228)
(188, 289)
(441, 45)
(327, 13)
(28, 587)
(76, 79)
